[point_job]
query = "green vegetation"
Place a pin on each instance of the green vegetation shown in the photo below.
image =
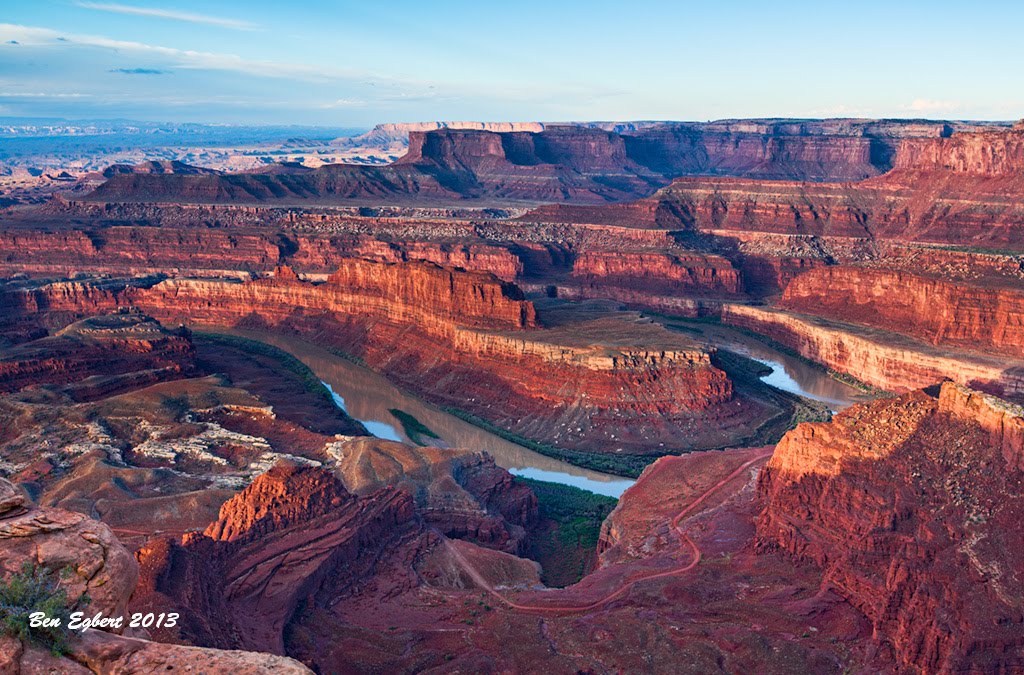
(37, 589)
(745, 374)
(566, 543)
(413, 428)
(629, 466)
(310, 382)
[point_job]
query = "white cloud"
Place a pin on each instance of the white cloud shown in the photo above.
(30, 36)
(41, 94)
(189, 17)
(926, 105)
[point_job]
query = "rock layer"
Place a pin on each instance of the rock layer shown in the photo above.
(618, 380)
(941, 312)
(886, 360)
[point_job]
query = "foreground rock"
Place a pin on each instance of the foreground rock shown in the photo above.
(912, 509)
(296, 538)
(102, 568)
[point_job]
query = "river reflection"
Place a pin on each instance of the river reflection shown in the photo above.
(789, 373)
(369, 397)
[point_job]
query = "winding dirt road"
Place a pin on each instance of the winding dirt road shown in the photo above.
(684, 541)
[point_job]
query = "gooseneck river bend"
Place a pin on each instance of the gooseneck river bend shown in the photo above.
(368, 397)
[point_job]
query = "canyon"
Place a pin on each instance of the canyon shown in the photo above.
(585, 294)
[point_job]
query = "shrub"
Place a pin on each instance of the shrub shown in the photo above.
(37, 589)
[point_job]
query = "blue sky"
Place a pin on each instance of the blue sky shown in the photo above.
(358, 63)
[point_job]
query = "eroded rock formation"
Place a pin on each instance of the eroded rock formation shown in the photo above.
(910, 507)
(100, 566)
(941, 312)
(589, 382)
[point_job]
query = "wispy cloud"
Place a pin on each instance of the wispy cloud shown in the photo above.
(173, 15)
(31, 36)
(139, 71)
(41, 94)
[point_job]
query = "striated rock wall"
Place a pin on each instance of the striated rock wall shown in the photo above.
(210, 251)
(908, 506)
(945, 207)
(98, 348)
(658, 273)
(886, 360)
(457, 338)
(584, 163)
(988, 153)
(941, 312)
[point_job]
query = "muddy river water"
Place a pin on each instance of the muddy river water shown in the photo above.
(789, 372)
(369, 397)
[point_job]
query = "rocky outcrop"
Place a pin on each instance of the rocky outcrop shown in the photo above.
(59, 540)
(99, 356)
(940, 312)
(462, 494)
(887, 360)
(289, 535)
(910, 508)
(1003, 421)
(95, 563)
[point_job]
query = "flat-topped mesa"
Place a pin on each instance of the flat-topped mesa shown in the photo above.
(985, 153)
(974, 317)
(911, 508)
(578, 148)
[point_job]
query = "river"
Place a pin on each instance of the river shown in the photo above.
(369, 397)
(789, 372)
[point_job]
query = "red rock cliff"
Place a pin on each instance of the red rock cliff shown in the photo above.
(457, 338)
(987, 153)
(911, 508)
(941, 312)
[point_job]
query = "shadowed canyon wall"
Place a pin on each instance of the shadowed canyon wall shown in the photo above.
(909, 507)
